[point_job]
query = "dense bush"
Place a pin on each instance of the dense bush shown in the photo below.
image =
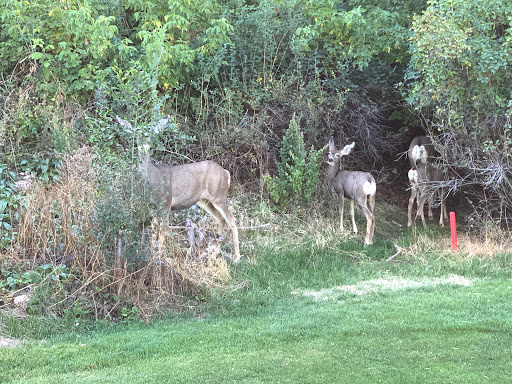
(232, 73)
(459, 79)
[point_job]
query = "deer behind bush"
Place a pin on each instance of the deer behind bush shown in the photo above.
(175, 187)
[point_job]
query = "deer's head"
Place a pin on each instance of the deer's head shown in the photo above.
(335, 155)
(146, 135)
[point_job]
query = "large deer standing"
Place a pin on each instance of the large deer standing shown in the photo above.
(357, 186)
(422, 177)
(204, 183)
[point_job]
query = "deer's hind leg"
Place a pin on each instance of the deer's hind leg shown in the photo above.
(352, 215)
(371, 205)
(421, 205)
(215, 213)
(371, 202)
(414, 195)
(223, 211)
(444, 213)
(430, 203)
(370, 222)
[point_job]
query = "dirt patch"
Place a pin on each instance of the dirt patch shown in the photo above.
(383, 285)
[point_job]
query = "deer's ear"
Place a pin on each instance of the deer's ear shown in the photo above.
(332, 148)
(124, 123)
(348, 148)
(159, 127)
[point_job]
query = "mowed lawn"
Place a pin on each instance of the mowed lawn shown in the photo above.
(441, 330)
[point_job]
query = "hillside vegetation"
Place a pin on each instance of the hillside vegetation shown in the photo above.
(259, 87)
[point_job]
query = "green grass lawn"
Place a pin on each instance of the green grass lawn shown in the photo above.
(443, 334)
(314, 309)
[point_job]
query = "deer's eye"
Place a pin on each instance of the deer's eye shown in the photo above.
(337, 155)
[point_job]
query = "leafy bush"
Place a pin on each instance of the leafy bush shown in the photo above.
(459, 75)
(297, 171)
(123, 205)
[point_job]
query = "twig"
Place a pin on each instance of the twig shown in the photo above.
(398, 251)
(240, 228)
(254, 227)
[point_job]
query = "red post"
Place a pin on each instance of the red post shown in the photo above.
(453, 228)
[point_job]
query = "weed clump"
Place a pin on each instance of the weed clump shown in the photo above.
(95, 223)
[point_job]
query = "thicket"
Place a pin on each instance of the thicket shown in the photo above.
(459, 79)
(232, 73)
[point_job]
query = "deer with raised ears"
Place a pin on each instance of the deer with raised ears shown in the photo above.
(175, 187)
(357, 186)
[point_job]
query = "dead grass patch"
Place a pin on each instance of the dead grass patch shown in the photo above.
(65, 223)
(382, 285)
(469, 246)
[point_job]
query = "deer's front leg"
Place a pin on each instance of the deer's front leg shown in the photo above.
(430, 203)
(414, 193)
(341, 202)
(354, 227)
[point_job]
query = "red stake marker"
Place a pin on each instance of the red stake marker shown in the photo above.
(453, 228)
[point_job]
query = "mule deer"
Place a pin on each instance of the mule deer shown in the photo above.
(421, 150)
(422, 178)
(357, 186)
(175, 187)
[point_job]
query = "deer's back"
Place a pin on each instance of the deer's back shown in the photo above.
(351, 183)
(186, 184)
(428, 172)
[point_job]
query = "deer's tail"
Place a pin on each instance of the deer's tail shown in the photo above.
(370, 187)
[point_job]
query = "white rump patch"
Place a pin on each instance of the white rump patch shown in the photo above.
(369, 187)
(413, 176)
(391, 284)
(419, 152)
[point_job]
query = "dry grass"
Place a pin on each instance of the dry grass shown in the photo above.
(59, 225)
(382, 285)
(469, 246)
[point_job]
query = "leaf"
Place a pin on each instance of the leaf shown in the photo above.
(37, 55)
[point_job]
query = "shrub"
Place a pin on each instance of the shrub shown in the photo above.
(297, 171)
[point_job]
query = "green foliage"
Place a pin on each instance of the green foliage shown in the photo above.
(8, 203)
(297, 171)
(353, 34)
(14, 279)
(460, 60)
(71, 46)
(123, 204)
(133, 95)
(173, 34)
(130, 93)
(67, 45)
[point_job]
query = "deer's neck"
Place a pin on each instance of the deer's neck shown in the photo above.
(334, 169)
(145, 164)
